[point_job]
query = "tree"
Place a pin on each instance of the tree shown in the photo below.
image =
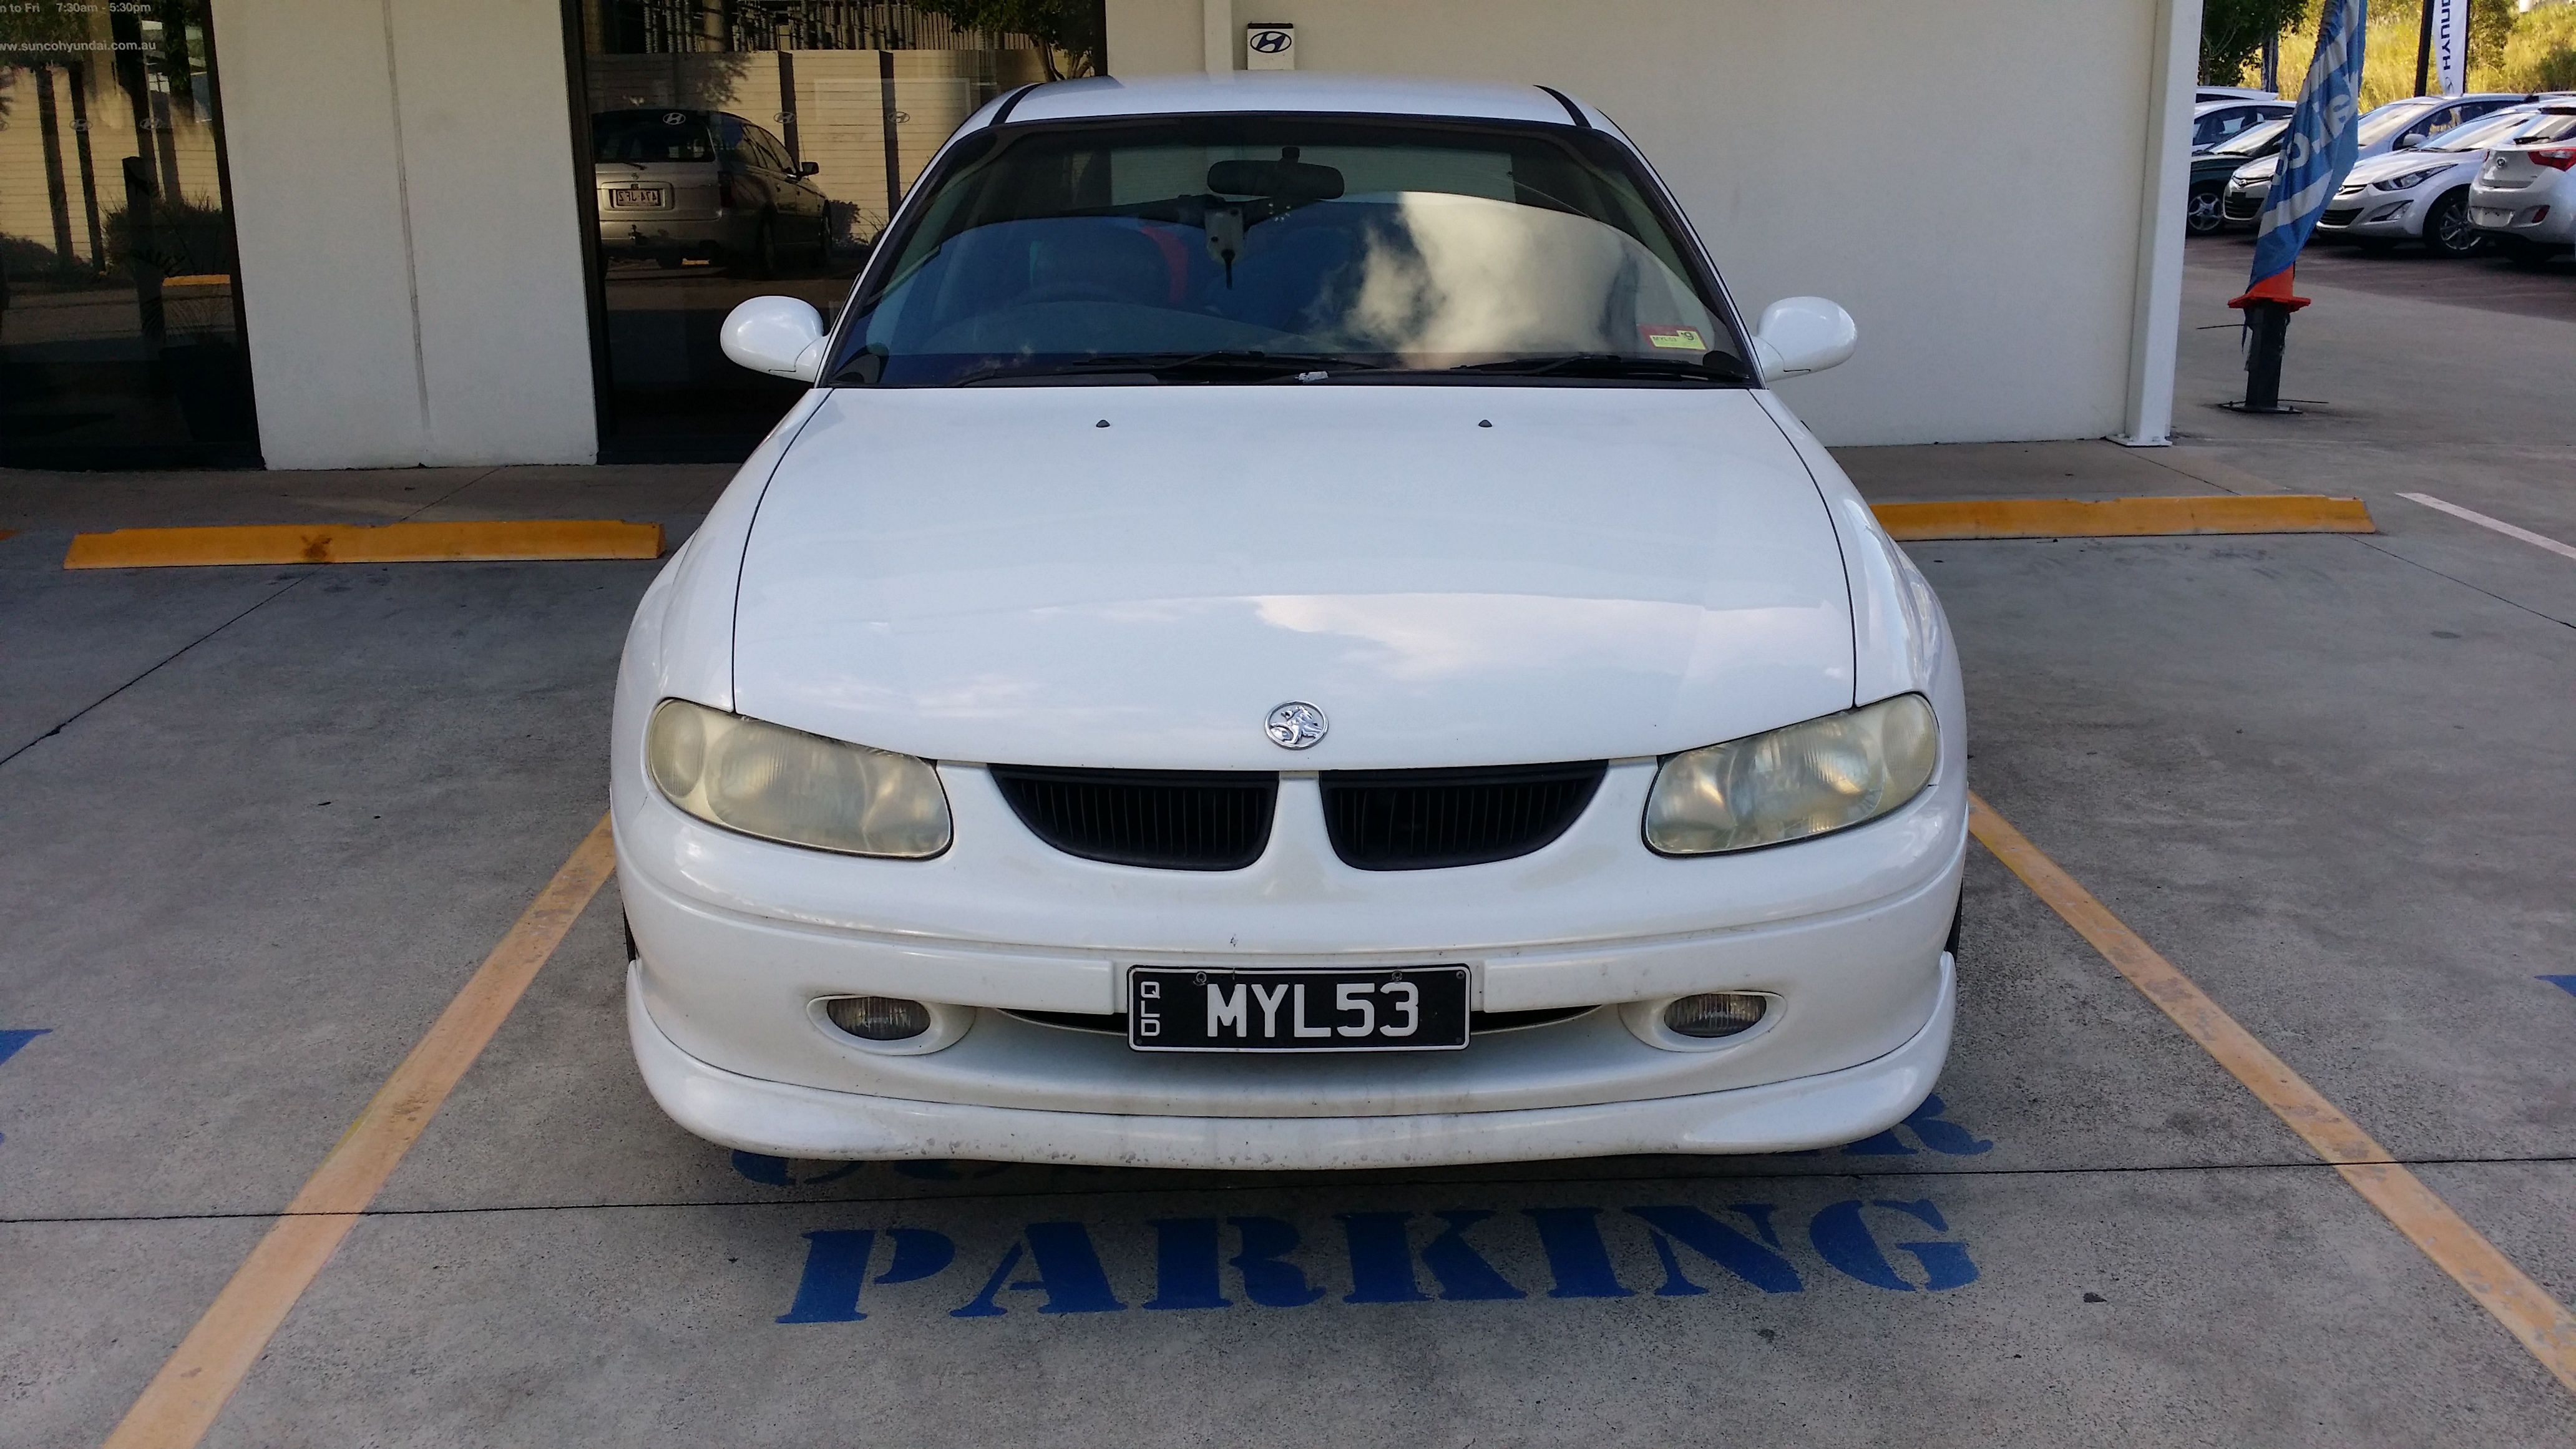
(2232, 33)
(1070, 26)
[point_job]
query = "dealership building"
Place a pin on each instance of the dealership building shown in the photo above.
(364, 233)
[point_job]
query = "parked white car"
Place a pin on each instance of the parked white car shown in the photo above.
(2392, 126)
(2523, 197)
(1291, 631)
(2217, 121)
(2422, 193)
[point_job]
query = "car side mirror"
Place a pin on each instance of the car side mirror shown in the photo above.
(2410, 140)
(1800, 335)
(781, 336)
(808, 168)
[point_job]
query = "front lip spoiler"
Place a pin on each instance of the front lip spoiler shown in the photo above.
(808, 1123)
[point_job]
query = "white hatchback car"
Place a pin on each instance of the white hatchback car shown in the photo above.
(2525, 196)
(1290, 632)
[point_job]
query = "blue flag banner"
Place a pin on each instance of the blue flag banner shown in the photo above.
(2319, 149)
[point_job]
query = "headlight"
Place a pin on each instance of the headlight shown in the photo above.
(2410, 180)
(1791, 783)
(786, 785)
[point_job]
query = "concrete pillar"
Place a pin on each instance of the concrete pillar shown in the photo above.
(405, 203)
(2155, 322)
(1216, 25)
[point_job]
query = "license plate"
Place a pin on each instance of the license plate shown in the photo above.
(635, 196)
(2490, 216)
(1414, 1009)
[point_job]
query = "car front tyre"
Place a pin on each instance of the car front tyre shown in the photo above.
(2208, 213)
(2447, 231)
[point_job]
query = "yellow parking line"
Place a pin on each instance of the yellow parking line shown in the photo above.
(2124, 517)
(316, 543)
(182, 1400)
(2522, 1306)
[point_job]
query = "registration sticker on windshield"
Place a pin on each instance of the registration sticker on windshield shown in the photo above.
(1683, 339)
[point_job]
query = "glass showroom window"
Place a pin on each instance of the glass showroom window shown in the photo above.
(120, 334)
(743, 147)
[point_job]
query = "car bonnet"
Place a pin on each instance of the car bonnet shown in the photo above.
(1137, 576)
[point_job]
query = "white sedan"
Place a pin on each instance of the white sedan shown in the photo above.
(2393, 126)
(2422, 193)
(1290, 631)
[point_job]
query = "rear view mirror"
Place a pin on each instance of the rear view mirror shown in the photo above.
(1286, 180)
(1800, 335)
(781, 336)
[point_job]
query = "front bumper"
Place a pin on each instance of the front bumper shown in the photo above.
(737, 940)
(2397, 216)
(640, 234)
(809, 1123)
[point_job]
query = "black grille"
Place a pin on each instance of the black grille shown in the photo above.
(2244, 205)
(2340, 216)
(1428, 819)
(1166, 819)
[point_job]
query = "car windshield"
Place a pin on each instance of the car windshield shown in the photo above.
(2253, 138)
(1257, 248)
(2388, 120)
(651, 136)
(2480, 134)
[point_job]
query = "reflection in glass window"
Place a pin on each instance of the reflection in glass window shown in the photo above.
(120, 340)
(750, 147)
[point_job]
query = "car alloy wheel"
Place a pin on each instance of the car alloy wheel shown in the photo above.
(2447, 232)
(2208, 213)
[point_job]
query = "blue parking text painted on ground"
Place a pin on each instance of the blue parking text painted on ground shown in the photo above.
(13, 1038)
(2563, 983)
(1391, 1256)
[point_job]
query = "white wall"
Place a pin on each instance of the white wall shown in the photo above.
(1967, 177)
(406, 209)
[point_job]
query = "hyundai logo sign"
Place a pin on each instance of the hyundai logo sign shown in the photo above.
(1269, 46)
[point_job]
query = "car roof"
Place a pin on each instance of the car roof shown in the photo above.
(2205, 107)
(1101, 97)
(2449, 100)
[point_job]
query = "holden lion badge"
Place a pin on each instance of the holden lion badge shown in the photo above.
(1296, 725)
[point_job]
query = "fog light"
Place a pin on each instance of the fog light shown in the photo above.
(1716, 1013)
(890, 1018)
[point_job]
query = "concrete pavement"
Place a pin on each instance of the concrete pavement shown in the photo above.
(288, 810)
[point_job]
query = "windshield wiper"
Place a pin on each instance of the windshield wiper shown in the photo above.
(1721, 368)
(1217, 362)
